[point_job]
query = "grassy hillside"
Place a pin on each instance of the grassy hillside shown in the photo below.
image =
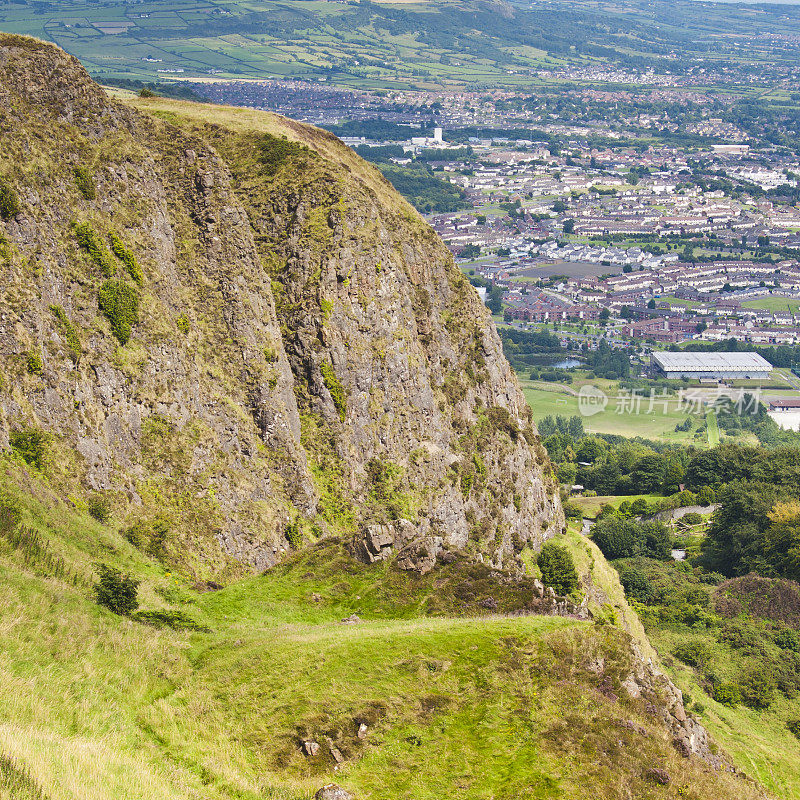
(100, 707)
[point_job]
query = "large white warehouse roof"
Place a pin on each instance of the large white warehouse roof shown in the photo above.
(711, 362)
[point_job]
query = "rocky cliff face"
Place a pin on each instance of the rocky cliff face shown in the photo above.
(235, 331)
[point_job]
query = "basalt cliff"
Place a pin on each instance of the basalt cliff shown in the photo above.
(231, 327)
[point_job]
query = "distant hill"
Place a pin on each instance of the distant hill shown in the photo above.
(367, 44)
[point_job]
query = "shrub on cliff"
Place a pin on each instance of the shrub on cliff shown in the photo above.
(150, 536)
(728, 694)
(84, 182)
(90, 241)
(334, 386)
(31, 444)
(34, 364)
(99, 508)
(695, 654)
(9, 200)
(558, 568)
(275, 151)
(127, 258)
(120, 305)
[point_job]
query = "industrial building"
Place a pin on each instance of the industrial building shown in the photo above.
(710, 366)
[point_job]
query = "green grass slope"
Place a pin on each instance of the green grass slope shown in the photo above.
(100, 707)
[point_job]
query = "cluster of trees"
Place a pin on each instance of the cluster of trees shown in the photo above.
(609, 464)
(619, 537)
(608, 362)
(417, 183)
(612, 464)
(523, 348)
(738, 658)
(756, 529)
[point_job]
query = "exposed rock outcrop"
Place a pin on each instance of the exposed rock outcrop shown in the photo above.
(332, 792)
(305, 359)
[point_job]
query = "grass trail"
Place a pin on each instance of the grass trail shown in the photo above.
(713, 428)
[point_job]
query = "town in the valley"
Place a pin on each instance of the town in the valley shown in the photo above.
(656, 209)
(636, 212)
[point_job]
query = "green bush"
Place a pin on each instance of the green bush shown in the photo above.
(636, 584)
(739, 635)
(758, 688)
(627, 538)
(31, 444)
(294, 535)
(89, 241)
(34, 364)
(156, 545)
(85, 183)
(728, 694)
(183, 325)
(150, 536)
(706, 496)
(695, 654)
(120, 305)
(557, 568)
(127, 258)
(794, 727)
(787, 639)
(335, 388)
(99, 508)
(275, 151)
(9, 200)
(68, 329)
(692, 518)
(115, 591)
(639, 507)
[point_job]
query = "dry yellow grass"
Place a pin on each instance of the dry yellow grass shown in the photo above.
(245, 120)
